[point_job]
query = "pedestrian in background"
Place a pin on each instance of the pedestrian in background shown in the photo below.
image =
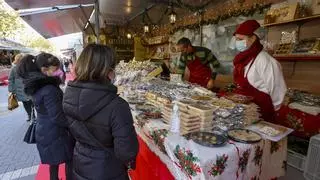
(100, 120)
(54, 142)
(16, 87)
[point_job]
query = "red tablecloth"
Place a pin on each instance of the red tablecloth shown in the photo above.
(149, 166)
(304, 125)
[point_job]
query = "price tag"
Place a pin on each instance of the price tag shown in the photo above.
(155, 72)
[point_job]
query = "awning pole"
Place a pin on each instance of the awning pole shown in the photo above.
(97, 12)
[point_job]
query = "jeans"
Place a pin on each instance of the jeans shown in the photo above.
(28, 106)
(54, 171)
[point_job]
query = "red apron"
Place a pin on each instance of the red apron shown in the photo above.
(263, 100)
(199, 73)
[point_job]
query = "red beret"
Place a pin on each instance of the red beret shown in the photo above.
(247, 28)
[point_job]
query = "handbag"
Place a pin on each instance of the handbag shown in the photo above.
(30, 136)
(12, 102)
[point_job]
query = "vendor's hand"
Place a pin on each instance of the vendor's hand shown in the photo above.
(210, 84)
(186, 74)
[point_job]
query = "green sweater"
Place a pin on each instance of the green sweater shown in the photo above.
(204, 54)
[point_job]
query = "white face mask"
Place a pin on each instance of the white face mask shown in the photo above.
(113, 80)
(241, 45)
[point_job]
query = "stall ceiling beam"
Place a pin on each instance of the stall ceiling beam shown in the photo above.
(141, 12)
(88, 23)
(33, 11)
(97, 23)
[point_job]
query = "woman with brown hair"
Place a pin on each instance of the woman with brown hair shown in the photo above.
(100, 121)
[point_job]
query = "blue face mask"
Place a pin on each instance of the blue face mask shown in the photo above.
(241, 45)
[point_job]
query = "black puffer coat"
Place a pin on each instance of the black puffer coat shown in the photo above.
(102, 125)
(54, 142)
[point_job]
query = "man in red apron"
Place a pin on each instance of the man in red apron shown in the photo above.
(197, 64)
(256, 73)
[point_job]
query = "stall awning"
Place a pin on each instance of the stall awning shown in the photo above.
(55, 20)
(6, 44)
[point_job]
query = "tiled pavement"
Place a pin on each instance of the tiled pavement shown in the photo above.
(18, 160)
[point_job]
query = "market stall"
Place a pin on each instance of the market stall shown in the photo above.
(187, 132)
(145, 34)
(155, 41)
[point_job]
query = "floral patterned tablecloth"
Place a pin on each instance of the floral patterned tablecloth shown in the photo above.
(187, 160)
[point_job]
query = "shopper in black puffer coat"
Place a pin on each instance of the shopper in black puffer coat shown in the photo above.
(100, 121)
(54, 142)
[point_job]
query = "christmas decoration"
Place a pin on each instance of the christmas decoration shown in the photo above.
(187, 161)
(158, 137)
(274, 147)
(220, 165)
(220, 12)
(243, 161)
(258, 155)
(295, 122)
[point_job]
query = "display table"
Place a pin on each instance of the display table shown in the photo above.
(164, 155)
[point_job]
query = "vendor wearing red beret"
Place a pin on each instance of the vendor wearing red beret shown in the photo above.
(256, 73)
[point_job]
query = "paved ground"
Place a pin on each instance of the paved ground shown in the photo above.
(18, 160)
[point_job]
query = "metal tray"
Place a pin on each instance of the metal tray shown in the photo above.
(205, 139)
(238, 139)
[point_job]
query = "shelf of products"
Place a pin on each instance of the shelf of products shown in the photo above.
(155, 41)
(298, 20)
(297, 57)
(123, 48)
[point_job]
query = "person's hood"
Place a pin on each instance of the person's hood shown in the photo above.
(36, 80)
(84, 99)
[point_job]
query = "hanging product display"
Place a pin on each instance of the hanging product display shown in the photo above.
(146, 28)
(172, 17)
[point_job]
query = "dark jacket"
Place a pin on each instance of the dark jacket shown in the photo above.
(102, 125)
(53, 140)
(16, 85)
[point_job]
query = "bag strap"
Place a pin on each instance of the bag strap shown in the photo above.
(91, 136)
(88, 133)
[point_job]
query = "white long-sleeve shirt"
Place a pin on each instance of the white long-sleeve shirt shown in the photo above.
(266, 75)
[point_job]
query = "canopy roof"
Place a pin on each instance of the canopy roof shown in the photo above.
(60, 17)
(6, 44)
(53, 18)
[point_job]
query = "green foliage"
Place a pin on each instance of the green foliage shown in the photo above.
(11, 25)
(39, 43)
(9, 21)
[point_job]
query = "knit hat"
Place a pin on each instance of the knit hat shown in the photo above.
(247, 28)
